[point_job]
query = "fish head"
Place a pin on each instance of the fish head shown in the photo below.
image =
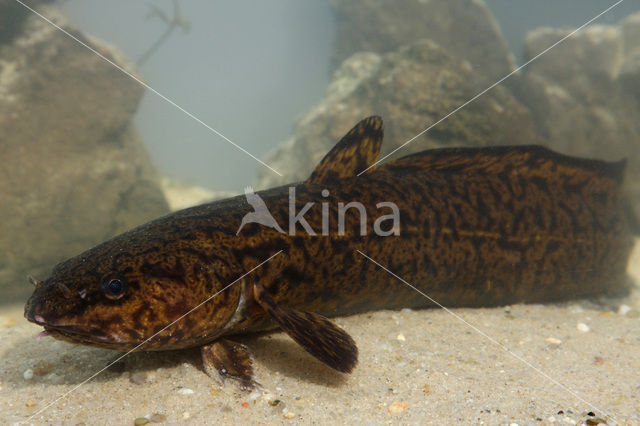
(136, 291)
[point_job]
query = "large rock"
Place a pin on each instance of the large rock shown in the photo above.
(411, 89)
(13, 15)
(73, 170)
(464, 28)
(584, 94)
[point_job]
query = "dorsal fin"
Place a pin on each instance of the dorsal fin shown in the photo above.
(356, 151)
(528, 160)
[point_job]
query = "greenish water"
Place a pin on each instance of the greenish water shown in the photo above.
(229, 94)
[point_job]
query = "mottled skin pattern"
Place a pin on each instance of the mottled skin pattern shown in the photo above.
(478, 227)
(533, 226)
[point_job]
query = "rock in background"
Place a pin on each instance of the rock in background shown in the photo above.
(411, 89)
(465, 28)
(580, 98)
(12, 17)
(73, 170)
(584, 94)
(423, 60)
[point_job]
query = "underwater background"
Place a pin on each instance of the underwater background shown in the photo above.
(283, 81)
(87, 152)
(96, 155)
(250, 69)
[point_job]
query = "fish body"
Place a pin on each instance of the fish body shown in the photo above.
(470, 227)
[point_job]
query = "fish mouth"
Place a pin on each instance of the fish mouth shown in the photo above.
(77, 332)
(91, 336)
(55, 328)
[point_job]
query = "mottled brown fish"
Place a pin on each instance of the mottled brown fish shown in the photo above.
(474, 227)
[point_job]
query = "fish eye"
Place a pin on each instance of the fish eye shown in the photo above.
(114, 288)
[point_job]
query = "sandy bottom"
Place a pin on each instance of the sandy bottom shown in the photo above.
(573, 363)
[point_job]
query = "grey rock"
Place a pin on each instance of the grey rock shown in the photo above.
(13, 16)
(464, 28)
(584, 94)
(73, 170)
(629, 69)
(592, 56)
(630, 28)
(411, 89)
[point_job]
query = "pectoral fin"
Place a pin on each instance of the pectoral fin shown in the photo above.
(315, 333)
(229, 360)
(356, 151)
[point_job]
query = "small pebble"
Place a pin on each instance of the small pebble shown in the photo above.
(274, 402)
(138, 378)
(141, 421)
(28, 374)
(582, 327)
(214, 391)
(401, 337)
(54, 379)
(623, 309)
(185, 391)
(553, 341)
(158, 418)
(245, 404)
(289, 415)
(397, 407)
(577, 309)
(29, 403)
